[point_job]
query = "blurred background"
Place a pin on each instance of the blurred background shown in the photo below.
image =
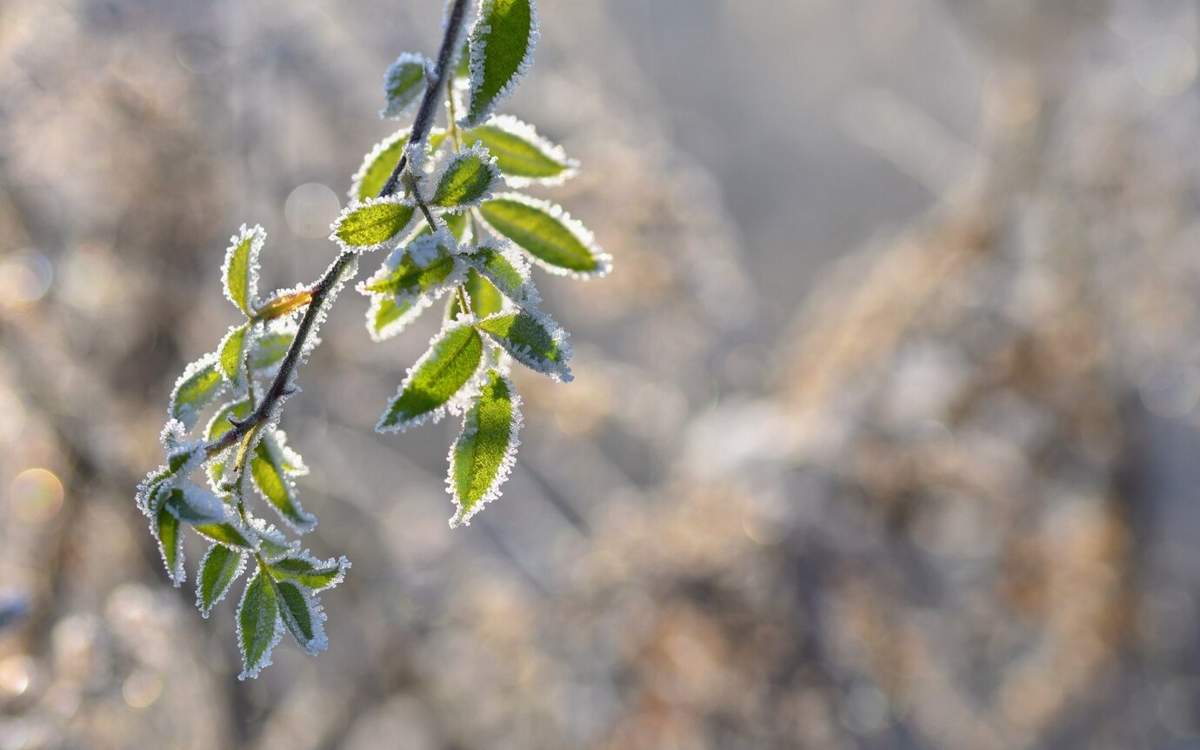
(885, 427)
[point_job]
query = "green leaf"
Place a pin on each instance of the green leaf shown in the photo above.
(387, 317)
(231, 351)
(268, 469)
(303, 616)
(485, 298)
(216, 429)
(378, 165)
(524, 156)
(428, 391)
(507, 273)
(165, 528)
(426, 267)
(310, 572)
(198, 386)
(240, 270)
(463, 69)
(533, 339)
(456, 222)
(258, 624)
(271, 347)
(373, 224)
(194, 505)
(272, 544)
(556, 242)
(502, 41)
(220, 567)
(226, 533)
(467, 178)
(404, 83)
(482, 457)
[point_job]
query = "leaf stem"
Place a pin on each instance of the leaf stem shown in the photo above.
(281, 385)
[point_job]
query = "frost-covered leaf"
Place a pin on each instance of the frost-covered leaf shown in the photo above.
(404, 83)
(196, 388)
(555, 241)
(386, 317)
(502, 41)
(194, 505)
(427, 266)
(524, 156)
(229, 533)
(240, 270)
(429, 389)
(216, 429)
(533, 339)
(220, 567)
(269, 471)
(485, 298)
(482, 456)
(378, 165)
(303, 616)
(467, 178)
(374, 223)
(272, 346)
(167, 533)
(457, 223)
(231, 352)
(258, 625)
(310, 572)
(507, 271)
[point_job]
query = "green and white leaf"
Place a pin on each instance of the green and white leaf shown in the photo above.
(269, 472)
(239, 273)
(196, 388)
(182, 460)
(219, 568)
(508, 272)
(386, 317)
(374, 223)
(532, 338)
(270, 347)
(303, 616)
(168, 533)
(485, 299)
(465, 179)
(483, 455)
(229, 532)
(272, 543)
(435, 384)
(194, 505)
(232, 351)
(377, 166)
(554, 240)
(309, 571)
(523, 155)
(259, 626)
(216, 429)
(427, 267)
(404, 83)
(502, 40)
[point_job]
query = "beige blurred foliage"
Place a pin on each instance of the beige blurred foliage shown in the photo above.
(912, 471)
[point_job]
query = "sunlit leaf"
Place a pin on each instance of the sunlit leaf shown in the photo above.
(386, 317)
(194, 505)
(429, 390)
(533, 339)
(239, 273)
(508, 273)
(502, 41)
(228, 533)
(258, 625)
(272, 346)
(467, 178)
(404, 83)
(167, 532)
(426, 267)
(524, 156)
(482, 456)
(374, 223)
(485, 298)
(552, 238)
(220, 567)
(195, 389)
(377, 166)
(231, 352)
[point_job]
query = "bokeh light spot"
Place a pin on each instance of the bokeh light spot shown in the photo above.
(310, 209)
(25, 277)
(36, 495)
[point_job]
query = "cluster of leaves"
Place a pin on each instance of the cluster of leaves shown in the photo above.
(440, 201)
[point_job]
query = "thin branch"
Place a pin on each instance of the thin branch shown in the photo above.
(280, 386)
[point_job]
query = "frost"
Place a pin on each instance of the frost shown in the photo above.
(465, 179)
(272, 346)
(483, 102)
(374, 224)
(377, 166)
(272, 544)
(508, 270)
(219, 570)
(239, 272)
(322, 313)
(479, 425)
(259, 626)
(304, 616)
(555, 241)
(387, 318)
(426, 248)
(310, 571)
(195, 505)
(270, 477)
